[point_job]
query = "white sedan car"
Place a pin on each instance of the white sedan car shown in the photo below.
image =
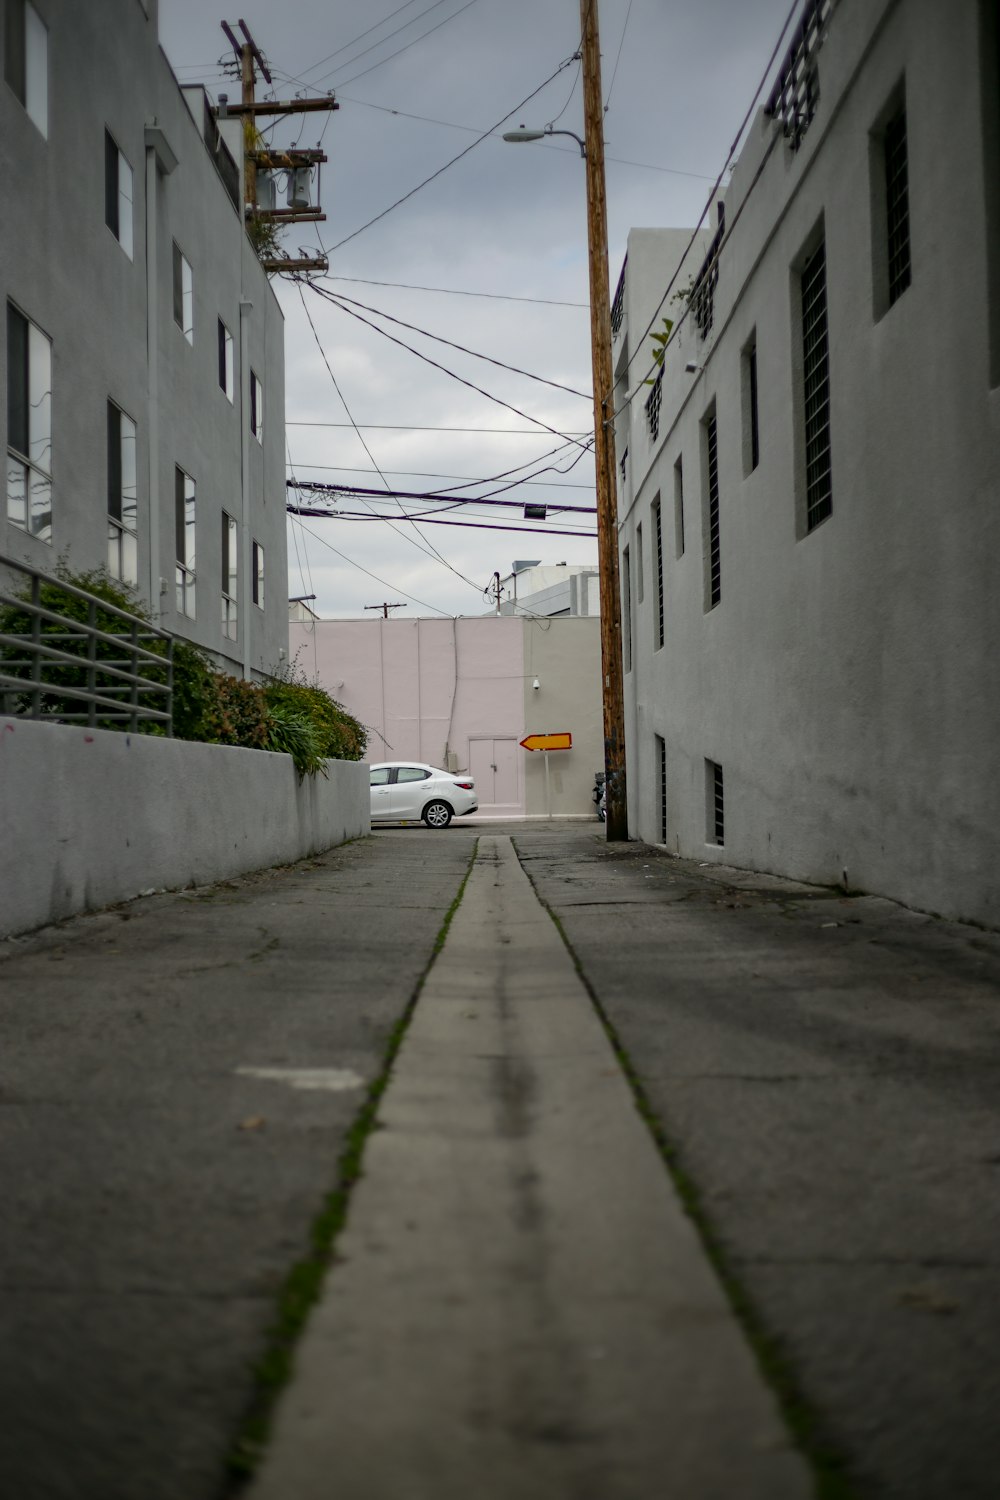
(403, 791)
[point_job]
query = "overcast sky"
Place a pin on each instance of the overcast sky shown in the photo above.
(508, 221)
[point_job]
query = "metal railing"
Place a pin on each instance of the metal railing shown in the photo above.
(50, 660)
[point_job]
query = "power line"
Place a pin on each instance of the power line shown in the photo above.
(360, 37)
(406, 47)
(354, 489)
(452, 291)
(621, 161)
(435, 364)
(323, 542)
(432, 427)
(471, 147)
(348, 515)
(694, 234)
(431, 548)
(550, 484)
(338, 298)
(614, 75)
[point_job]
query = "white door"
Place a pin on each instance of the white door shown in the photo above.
(493, 764)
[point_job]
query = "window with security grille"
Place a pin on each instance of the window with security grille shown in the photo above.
(751, 420)
(122, 497)
(897, 205)
(657, 520)
(653, 402)
(640, 581)
(712, 530)
(29, 426)
(716, 804)
(679, 507)
(816, 389)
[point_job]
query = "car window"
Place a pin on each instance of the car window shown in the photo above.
(379, 776)
(412, 773)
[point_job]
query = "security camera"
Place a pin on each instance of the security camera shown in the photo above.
(536, 684)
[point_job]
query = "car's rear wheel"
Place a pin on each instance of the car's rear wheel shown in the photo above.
(437, 815)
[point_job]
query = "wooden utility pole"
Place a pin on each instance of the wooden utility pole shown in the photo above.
(604, 438)
(385, 608)
(256, 155)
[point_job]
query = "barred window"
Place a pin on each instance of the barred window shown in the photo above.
(816, 389)
(653, 402)
(712, 513)
(897, 205)
(657, 519)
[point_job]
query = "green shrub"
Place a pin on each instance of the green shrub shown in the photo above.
(286, 713)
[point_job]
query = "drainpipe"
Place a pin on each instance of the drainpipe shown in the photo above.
(159, 157)
(244, 601)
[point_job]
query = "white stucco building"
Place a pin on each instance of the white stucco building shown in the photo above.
(551, 589)
(810, 504)
(142, 364)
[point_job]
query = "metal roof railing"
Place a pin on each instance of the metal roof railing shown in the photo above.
(61, 646)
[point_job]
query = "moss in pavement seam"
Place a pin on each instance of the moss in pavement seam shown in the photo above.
(801, 1417)
(304, 1282)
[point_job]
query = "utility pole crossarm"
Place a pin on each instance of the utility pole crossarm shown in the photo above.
(278, 107)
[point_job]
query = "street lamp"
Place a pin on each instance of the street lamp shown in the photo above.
(592, 150)
(522, 133)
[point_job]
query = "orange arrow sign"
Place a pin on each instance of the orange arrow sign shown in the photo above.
(560, 741)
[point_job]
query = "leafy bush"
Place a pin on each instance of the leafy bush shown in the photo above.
(285, 714)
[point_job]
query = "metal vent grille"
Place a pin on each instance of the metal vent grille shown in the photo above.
(714, 549)
(897, 198)
(816, 383)
(653, 407)
(658, 549)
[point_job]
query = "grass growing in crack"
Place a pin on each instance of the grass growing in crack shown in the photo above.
(304, 1282)
(801, 1418)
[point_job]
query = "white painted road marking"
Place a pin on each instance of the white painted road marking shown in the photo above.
(333, 1080)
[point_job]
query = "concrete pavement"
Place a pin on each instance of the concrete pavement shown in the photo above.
(520, 1306)
(178, 1079)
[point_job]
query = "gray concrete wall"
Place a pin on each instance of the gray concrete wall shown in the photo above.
(110, 321)
(849, 680)
(92, 817)
(565, 656)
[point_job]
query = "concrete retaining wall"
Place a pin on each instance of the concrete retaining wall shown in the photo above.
(89, 816)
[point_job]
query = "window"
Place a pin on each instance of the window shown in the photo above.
(751, 426)
(122, 496)
(184, 531)
(816, 389)
(713, 550)
(661, 766)
(412, 773)
(658, 554)
(256, 408)
(653, 404)
(257, 575)
(117, 194)
(29, 426)
(626, 611)
(26, 60)
(795, 96)
(715, 832)
(378, 776)
(897, 205)
(679, 508)
(640, 585)
(225, 360)
(230, 574)
(183, 294)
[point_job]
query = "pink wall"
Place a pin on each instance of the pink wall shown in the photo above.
(423, 687)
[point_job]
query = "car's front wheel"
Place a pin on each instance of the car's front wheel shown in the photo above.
(437, 815)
